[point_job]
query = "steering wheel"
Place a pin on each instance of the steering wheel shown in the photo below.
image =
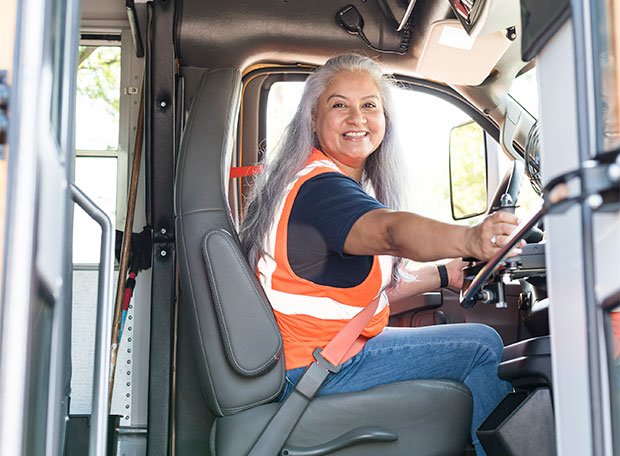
(469, 296)
(509, 185)
(504, 198)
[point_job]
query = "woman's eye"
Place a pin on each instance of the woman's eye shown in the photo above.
(338, 105)
(370, 105)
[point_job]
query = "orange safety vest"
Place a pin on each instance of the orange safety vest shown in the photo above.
(310, 315)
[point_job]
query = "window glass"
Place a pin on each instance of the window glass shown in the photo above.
(524, 90)
(424, 123)
(98, 92)
(281, 105)
(97, 143)
(95, 176)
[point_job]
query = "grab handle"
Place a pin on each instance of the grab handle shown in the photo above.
(105, 306)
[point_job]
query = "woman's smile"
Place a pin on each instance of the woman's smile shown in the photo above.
(355, 135)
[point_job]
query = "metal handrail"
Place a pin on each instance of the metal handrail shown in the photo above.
(105, 307)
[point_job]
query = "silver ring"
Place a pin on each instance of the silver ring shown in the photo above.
(494, 239)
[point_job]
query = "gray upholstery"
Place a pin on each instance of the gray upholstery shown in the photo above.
(229, 350)
(233, 286)
(416, 410)
(200, 206)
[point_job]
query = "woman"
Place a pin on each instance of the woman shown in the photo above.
(323, 230)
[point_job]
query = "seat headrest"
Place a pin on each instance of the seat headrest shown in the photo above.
(202, 178)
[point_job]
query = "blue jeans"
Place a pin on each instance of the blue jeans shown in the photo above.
(468, 353)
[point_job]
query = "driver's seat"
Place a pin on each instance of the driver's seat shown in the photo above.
(230, 366)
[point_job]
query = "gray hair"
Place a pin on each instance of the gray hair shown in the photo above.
(382, 172)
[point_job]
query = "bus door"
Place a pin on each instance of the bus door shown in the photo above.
(36, 282)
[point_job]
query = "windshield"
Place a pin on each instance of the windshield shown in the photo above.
(525, 92)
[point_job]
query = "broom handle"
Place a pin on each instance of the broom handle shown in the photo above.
(124, 262)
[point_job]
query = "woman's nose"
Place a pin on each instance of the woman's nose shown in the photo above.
(356, 116)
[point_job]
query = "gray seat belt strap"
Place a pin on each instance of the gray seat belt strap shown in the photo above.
(275, 435)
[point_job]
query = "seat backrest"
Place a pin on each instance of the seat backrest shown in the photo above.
(235, 341)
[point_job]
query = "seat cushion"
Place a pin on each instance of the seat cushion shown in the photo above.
(431, 417)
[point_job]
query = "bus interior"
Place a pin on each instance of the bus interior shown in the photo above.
(131, 322)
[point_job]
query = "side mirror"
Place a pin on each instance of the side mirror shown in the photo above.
(468, 171)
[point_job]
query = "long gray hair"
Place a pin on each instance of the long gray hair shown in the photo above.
(382, 171)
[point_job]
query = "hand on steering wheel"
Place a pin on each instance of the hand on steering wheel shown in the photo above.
(490, 238)
(487, 237)
(469, 294)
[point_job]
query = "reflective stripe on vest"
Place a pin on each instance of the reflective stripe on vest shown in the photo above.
(310, 315)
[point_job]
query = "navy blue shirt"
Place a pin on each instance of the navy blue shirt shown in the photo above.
(325, 209)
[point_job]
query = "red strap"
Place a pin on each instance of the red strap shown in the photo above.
(245, 171)
(128, 291)
(348, 338)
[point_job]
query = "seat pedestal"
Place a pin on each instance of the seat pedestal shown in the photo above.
(522, 424)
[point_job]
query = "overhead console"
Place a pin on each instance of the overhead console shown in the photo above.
(290, 31)
(465, 50)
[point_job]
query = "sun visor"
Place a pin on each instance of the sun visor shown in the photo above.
(451, 56)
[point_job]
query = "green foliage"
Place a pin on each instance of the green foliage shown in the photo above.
(99, 73)
(468, 170)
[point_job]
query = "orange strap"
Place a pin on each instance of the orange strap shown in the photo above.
(615, 328)
(245, 171)
(348, 340)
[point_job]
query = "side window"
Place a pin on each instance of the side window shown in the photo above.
(282, 102)
(107, 104)
(97, 142)
(96, 171)
(424, 123)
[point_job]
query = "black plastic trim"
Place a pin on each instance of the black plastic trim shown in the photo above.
(160, 149)
(540, 20)
(100, 37)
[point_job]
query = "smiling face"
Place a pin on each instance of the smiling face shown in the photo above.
(349, 121)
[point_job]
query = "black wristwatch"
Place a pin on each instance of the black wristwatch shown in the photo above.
(443, 275)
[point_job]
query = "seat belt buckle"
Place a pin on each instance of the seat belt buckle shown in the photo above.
(324, 363)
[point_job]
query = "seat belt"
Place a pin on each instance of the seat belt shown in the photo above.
(328, 359)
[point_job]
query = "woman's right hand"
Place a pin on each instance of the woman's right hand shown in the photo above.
(486, 238)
